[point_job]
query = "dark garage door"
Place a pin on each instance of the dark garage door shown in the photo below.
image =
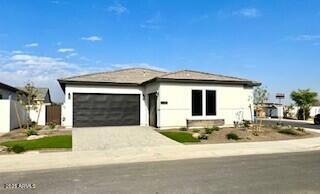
(92, 110)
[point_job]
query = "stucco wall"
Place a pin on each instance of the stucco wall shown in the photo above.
(42, 116)
(67, 108)
(233, 103)
(8, 115)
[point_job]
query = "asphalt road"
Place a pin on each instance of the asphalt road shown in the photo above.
(277, 173)
(292, 123)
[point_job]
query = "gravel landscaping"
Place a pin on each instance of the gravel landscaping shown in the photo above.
(231, 135)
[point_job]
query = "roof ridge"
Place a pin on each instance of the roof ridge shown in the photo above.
(227, 76)
(113, 71)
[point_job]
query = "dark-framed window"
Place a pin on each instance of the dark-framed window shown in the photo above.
(196, 102)
(211, 102)
(1, 97)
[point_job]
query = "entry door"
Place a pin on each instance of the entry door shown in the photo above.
(153, 109)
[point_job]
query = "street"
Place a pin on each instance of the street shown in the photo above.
(292, 123)
(276, 173)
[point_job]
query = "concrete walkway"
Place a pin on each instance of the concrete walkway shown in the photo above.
(110, 138)
(35, 161)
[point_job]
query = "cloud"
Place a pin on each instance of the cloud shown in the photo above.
(132, 65)
(17, 69)
(153, 23)
(65, 50)
(34, 44)
(71, 55)
(247, 13)
(118, 9)
(305, 37)
(92, 38)
(17, 52)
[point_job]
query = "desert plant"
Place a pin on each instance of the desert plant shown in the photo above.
(210, 130)
(31, 131)
(301, 129)
(246, 123)
(195, 130)
(52, 125)
(203, 136)
(16, 149)
(288, 131)
(232, 136)
(183, 129)
(236, 124)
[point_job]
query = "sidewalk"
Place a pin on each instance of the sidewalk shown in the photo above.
(35, 161)
(286, 120)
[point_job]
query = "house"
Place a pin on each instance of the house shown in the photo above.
(147, 97)
(11, 111)
(43, 99)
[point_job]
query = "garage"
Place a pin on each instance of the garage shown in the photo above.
(93, 110)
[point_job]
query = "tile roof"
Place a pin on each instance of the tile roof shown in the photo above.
(129, 76)
(141, 75)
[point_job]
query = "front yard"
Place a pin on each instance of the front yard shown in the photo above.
(241, 134)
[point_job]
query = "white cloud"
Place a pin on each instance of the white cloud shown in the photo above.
(92, 38)
(153, 23)
(17, 69)
(34, 44)
(306, 37)
(17, 52)
(71, 55)
(132, 65)
(117, 9)
(247, 12)
(65, 50)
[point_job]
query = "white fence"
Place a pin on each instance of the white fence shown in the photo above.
(8, 115)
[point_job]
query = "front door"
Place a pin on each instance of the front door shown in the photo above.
(153, 109)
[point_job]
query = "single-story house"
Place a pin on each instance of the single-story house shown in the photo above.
(11, 111)
(147, 97)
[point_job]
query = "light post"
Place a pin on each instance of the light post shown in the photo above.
(280, 96)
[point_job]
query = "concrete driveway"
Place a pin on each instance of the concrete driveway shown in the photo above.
(106, 138)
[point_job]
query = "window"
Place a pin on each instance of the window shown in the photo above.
(1, 96)
(211, 102)
(196, 102)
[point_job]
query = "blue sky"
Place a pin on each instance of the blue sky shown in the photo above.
(275, 42)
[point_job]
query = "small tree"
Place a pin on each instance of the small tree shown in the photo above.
(260, 95)
(304, 99)
(27, 99)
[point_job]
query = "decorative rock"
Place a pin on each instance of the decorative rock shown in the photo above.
(33, 137)
(3, 149)
(196, 135)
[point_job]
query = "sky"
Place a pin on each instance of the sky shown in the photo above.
(274, 42)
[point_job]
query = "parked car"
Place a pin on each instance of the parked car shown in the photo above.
(317, 119)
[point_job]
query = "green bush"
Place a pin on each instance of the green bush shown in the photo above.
(210, 130)
(52, 125)
(195, 130)
(232, 136)
(288, 131)
(203, 136)
(31, 131)
(17, 149)
(246, 123)
(183, 129)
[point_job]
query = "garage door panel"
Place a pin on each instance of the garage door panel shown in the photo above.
(106, 109)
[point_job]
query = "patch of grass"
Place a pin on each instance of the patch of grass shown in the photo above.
(181, 137)
(17, 149)
(288, 131)
(232, 136)
(61, 141)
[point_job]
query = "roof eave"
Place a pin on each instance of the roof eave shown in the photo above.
(246, 83)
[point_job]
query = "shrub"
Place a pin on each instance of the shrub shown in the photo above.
(183, 129)
(235, 124)
(232, 136)
(17, 149)
(288, 131)
(195, 130)
(203, 136)
(52, 125)
(246, 123)
(210, 130)
(301, 129)
(31, 131)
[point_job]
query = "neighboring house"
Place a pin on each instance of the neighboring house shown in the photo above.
(273, 110)
(146, 97)
(11, 111)
(43, 100)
